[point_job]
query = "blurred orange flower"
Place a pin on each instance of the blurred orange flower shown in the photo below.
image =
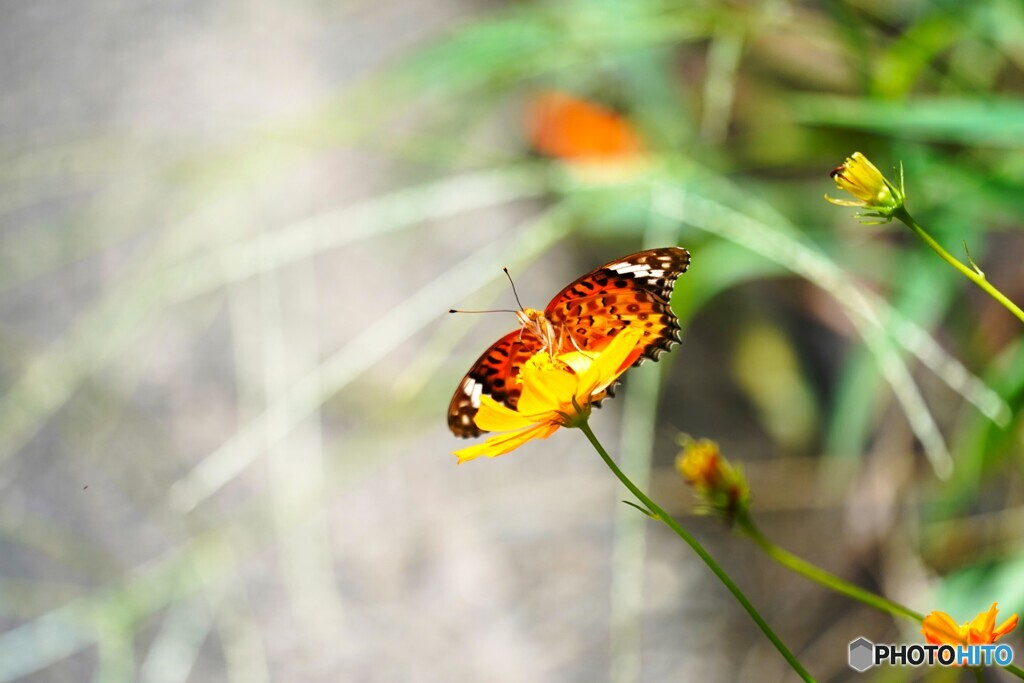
(572, 129)
(940, 629)
(700, 463)
(719, 484)
(551, 384)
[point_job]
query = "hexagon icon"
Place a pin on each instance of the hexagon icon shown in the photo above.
(862, 654)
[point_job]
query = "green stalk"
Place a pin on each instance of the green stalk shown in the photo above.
(973, 274)
(663, 517)
(820, 576)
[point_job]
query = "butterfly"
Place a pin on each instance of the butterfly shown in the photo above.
(631, 291)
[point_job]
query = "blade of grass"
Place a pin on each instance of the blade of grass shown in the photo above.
(924, 294)
(639, 415)
(706, 214)
(629, 552)
(245, 657)
(904, 332)
(61, 632)
(175, 649)
(121, 315)
(723, 61)
(116, 656)
(295, 462)
(984, 445)
(372, 345)
(207, 557)
(987, 122)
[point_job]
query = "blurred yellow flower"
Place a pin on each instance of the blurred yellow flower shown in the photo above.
(872, 190)
(940, 629)
(553, 387)
(720, 485)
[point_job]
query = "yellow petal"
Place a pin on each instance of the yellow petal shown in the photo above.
(846, 202)
(859, 177)
(578, 361)
(939, 628)
(504, 443)
(545, 391)
(607, 367)
(494, 446)
(1005, 627)
(495, 417)
(986, 621)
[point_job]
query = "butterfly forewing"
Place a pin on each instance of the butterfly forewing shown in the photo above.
(494, 374)
(631, 291)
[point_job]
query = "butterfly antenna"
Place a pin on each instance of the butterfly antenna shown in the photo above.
(496, 310)
(514, 292)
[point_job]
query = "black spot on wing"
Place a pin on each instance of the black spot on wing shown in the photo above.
(494, 373)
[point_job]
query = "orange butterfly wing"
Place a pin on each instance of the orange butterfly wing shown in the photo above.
(633, 291)
(493, 374)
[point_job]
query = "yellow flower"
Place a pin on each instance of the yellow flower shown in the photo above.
(720, 485)
(940, 629)
(872, 190)
(553, 387)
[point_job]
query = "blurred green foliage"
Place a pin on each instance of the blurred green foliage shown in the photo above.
(877, 350)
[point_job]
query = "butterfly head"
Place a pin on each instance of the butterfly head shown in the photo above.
(536, 322)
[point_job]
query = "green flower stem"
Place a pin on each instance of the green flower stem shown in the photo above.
(663, 517)
(833, 582)
(972, 274)
(820, 576)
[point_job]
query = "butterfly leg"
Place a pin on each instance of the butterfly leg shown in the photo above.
(578, 348)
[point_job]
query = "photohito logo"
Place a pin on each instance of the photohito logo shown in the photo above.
(864, 654)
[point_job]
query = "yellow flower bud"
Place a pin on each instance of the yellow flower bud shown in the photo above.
(873, 191)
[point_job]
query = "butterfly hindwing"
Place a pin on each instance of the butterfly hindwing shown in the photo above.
(494, 374)
(631, 291)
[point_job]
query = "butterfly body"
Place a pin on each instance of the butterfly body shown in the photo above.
(631, 291)
(537, 323)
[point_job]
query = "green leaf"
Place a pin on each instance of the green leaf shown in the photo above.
(990, 121)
